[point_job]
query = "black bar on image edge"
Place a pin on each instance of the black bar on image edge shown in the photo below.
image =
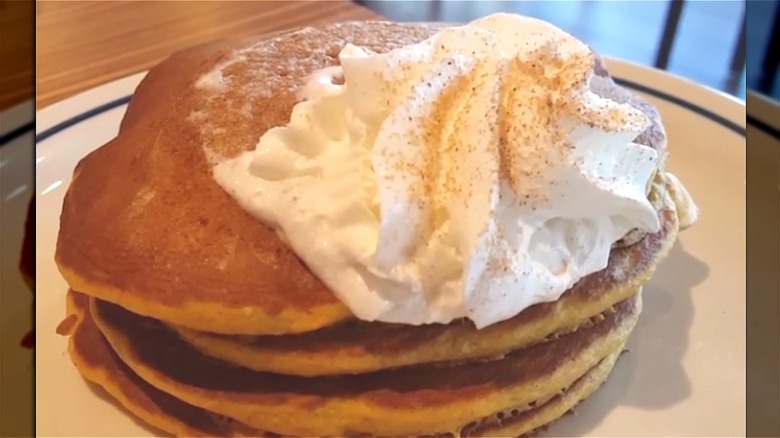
(763, 279)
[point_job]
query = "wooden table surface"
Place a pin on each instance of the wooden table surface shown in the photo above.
(16, 52)
(81, 45)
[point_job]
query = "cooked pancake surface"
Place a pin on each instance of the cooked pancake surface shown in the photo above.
(355, 347)
(397, 403)
(98, 364)
(144, 224)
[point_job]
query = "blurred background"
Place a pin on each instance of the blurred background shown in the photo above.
(729, 45)
(705, 41)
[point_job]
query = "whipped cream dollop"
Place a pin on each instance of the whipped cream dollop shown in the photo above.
(471, 175)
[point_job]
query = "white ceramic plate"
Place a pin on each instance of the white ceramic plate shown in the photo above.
(685, 373)
(16, 188)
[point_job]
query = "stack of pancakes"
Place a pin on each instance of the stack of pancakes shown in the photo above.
(198, 319)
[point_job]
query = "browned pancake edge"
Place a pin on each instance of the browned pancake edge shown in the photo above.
(391, 400)
(359, 346)
(98, 364)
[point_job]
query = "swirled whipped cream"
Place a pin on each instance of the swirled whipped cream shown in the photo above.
(471, 175)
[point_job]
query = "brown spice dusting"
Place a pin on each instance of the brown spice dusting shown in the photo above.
(436, 144)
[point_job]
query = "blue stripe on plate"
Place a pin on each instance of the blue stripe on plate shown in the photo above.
(683, 103)
(720, 120)
(59, 127)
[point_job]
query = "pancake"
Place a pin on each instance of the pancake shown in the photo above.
(356, 347)
(98, 363)
(412, 401)
(524, 423)
(134, 233)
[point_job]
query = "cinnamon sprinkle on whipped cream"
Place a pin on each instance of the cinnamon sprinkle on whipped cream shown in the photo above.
(471, 175)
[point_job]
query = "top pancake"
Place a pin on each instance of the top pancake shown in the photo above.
(144, 225)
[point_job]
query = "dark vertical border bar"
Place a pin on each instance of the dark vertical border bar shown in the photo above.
(17, 58)
(771, 61)
(763, 274)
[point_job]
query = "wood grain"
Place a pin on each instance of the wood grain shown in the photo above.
(81, 45)
(16, 52)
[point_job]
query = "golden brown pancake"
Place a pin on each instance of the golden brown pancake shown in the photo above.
(406, 402)
(517, 422)
(98, 363)
(358, 346)
(144, 225)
